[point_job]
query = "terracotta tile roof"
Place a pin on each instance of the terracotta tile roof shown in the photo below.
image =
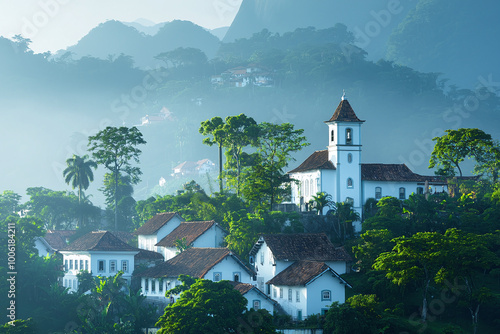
(57, 239)
(344, 113)
(99, 241)
(242, 287)
(302, 273)
(195, 262)
(148, 255)
(155, 223)
(304, 246)
(123, 236)
(317, 160)
(393, 172)
(189, 230)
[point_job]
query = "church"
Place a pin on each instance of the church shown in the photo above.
(340, 172)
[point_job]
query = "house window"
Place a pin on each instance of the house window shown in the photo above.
(324, 311)
(290, 295)
(332, 135)
(306, 187)
(281, 292)
(76, 264)
(112, 266)
(312, 188)
(153, 285)
(236, 277)
(262, 257)
(256, 305)
(70, 264)
(87, 265)
(101, 266)
(217, 277)
(350, 183)
(65, 283)
(160, 285)
(81, 264)
(349, 158)
(420, 190)
(275, 292)
(402, 193)
(66, 265)
(297, 296)
(124, 266)
(378, 192)
(349, 200)
(348, 136)
(326, 295)
(146, 285)
(299, 315)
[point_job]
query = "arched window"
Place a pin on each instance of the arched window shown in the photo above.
(349, 158)
(378, 192)
(326, 295)
(350, 183)
(420, 190)
(348, 136)
(306, 187)
(312, 188)
(332, 135)
(402, 193)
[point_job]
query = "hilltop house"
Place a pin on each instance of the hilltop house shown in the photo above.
(215, 264)
(201, 234)
(256, 299)
(199, 167)
(156, 229)
(53, 241)
(99, 252)
(339, 171)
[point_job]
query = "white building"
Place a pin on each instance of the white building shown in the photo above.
(306, 288)
(201, 234)
(156, 229)
(273, 254)
(339, 171)
(101, 253)
(256, 299)
(214, 264)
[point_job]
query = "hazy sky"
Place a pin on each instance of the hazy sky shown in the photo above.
(56, 24)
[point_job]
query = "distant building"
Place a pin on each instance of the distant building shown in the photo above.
(199, 167)
(156, 229)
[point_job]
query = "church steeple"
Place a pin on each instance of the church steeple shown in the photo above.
(344, 113)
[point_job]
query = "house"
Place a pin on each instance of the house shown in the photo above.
(201, 234)
(215, 264)
(156, 229)
(199, 167)
(256, 299)
(340, 172)
(273, 253)
(307, 287)
(53, 241)
(98, 252)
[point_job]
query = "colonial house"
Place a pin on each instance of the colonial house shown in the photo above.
(339, 171)
(256, 299)
(306, 288)
(215, 264)
(99, 252)
(156, 229)
(53, 241)
(272, 254)
(201, 234)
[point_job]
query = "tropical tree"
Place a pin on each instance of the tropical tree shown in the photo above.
(320, 201)
(79, 174)
(343, 216)
(213, 128)
(455, 146)
(116, 149)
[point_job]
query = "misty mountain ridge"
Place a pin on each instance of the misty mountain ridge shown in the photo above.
(115, 38)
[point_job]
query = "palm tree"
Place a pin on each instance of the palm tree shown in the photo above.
(320, 201)
(79, 174)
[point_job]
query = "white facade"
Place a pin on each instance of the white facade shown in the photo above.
(99, 263)
(257, 300)
(148, 241)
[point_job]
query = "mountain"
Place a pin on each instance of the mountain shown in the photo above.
(372, 21)
(145, 26)
(115, 38)
(456, 38)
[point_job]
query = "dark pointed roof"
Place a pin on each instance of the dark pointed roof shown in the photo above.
(189, 230)
(317, 160)
(394, 172)
(195, 262)
(344, 113)
(155, 223)
(57, 238)
(302, 246)
(303, 273)
(99, 241)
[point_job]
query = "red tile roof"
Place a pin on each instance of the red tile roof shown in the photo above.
(148, 255)
(57, 239)
(304, 246)
(317, 160)
(393, 172)
(344, 113)
(154, 224)
(195, 262)
(189, 230)
(303, 272)
(99, 241)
